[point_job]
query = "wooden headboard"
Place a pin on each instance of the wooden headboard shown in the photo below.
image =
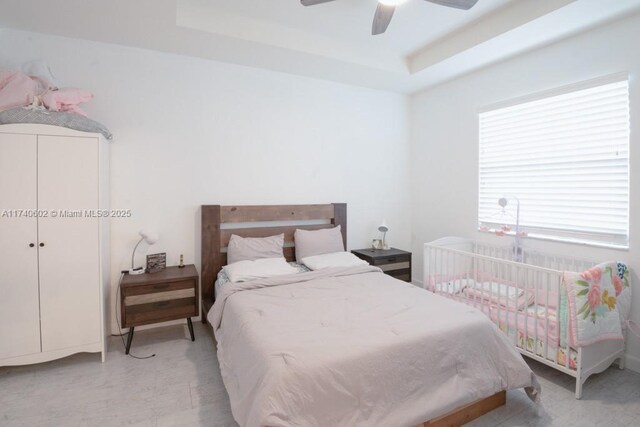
(215, 238)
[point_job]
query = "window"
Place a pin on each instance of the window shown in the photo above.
(565, 157)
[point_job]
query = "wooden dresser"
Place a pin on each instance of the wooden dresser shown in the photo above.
(148, 298)
(394, 262)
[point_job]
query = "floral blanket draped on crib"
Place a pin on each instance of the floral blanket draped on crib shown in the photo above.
(598, 302)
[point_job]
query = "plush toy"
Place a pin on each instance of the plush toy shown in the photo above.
(18, 89)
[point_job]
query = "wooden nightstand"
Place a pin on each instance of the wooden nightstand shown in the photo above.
(170, 294)
(394, 262)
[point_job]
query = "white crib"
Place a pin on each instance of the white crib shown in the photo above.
(522, 298)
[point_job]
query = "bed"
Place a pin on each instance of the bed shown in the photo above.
(346, 345)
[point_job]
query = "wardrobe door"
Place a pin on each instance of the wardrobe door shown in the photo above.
(19, 305)
(68, 243)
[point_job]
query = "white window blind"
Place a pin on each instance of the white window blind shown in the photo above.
(565, 157)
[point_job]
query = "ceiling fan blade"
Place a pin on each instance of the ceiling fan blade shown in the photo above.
(382, 18)
(313, 2)
(458, 4)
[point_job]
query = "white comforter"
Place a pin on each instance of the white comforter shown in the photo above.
(352, 346)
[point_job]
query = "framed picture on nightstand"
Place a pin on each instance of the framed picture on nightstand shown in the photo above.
(156, 262)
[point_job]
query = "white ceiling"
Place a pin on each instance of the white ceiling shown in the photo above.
(425, 44)
(415, 24)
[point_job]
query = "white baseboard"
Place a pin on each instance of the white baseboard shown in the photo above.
(632, 363)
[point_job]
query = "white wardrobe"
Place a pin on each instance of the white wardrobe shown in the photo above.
(54, 243)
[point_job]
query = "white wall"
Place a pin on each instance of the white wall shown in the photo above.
(444, 135)
(191, 132)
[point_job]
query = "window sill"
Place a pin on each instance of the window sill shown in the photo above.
(559, 239)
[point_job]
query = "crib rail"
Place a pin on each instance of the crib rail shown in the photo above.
(531, 257)
(523, 299)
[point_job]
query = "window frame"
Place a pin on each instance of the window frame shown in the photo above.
(583, 238)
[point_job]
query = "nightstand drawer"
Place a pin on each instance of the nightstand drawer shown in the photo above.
(387, 268)
(159, 296)
(159, 311)
(395, 259)
(159, 287)
(393, 262)
(404, 274)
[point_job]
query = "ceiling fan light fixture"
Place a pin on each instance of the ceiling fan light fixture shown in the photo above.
(392, 2)
(386, 8)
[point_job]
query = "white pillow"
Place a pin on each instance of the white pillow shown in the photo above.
(318, 242)
(336, 259)
(243, 271)
(252, 248)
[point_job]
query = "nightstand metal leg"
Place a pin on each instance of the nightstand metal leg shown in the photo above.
(129, 339)
(193, 338)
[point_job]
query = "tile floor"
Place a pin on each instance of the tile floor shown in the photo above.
(181, 386)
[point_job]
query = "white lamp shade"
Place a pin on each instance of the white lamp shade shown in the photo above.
(149, 237)
(383, 227)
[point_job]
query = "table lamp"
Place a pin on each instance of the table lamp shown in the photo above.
(383, 228)
(148, 237)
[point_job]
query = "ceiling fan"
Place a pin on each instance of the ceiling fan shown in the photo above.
(385, 10)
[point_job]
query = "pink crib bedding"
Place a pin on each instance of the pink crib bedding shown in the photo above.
(507, 296)
(541, 338)
(490, 289)
(521, 316)
(514, 310)
(525, 321)
(536, 325)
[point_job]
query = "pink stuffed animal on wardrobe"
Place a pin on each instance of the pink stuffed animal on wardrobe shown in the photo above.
(66, 99)
(20, 90)
(16, 89)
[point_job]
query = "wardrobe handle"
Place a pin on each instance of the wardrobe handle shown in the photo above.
(41, 245)
(31, 245)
